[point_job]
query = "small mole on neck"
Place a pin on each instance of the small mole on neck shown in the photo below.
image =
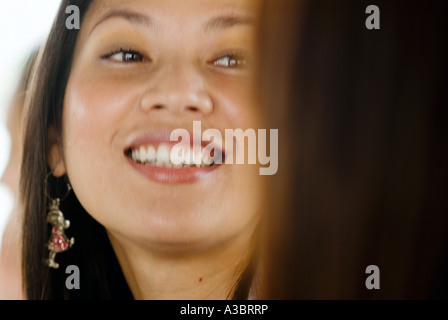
(200, 279)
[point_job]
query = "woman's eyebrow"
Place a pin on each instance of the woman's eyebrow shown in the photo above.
(132, 17)
(225, 22)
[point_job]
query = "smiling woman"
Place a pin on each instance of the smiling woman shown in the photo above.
(134, 71)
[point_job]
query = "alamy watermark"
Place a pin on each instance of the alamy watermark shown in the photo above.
(73, 280)
(181, 151)
(73, 21)
(373, 280)
(373, 20)
(230, 151)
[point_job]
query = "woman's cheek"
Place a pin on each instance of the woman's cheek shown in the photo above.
(233, 100)
(93, 107)
(90, 117)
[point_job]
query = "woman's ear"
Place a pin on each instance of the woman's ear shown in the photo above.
(55, 157)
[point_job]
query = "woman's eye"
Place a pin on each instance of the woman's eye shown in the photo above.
(125, 56)
(230, 61)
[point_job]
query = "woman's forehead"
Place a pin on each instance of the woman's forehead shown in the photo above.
(161, 12)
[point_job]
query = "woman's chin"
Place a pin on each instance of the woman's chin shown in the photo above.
(169, 240)
(170, 231)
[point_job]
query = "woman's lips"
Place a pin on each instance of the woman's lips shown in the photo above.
(151, 155)
(172, 175)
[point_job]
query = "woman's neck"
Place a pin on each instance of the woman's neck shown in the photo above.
(182, 275)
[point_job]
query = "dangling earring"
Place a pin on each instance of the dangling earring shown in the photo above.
(58, 241)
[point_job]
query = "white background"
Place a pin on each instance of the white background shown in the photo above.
(24, 24)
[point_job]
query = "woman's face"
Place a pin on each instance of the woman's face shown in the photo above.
(141, 69)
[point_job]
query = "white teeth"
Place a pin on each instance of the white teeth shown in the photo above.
(198, 158)
(151, 155)
(163, 155)
(143, 154)
(188, 159)
(137, 155)
(177, 157)
(206, 159)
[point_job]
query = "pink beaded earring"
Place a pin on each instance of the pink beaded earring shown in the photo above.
(58, 241)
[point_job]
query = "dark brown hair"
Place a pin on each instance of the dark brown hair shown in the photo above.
(362, 176)
(102, 277)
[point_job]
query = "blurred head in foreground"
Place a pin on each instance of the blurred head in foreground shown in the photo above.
(362, 176)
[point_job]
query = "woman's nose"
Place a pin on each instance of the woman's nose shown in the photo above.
(177, 90)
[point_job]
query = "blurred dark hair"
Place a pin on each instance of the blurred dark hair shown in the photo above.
(102, 277)
(26, 75)
(362, 176)
(92, 253)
